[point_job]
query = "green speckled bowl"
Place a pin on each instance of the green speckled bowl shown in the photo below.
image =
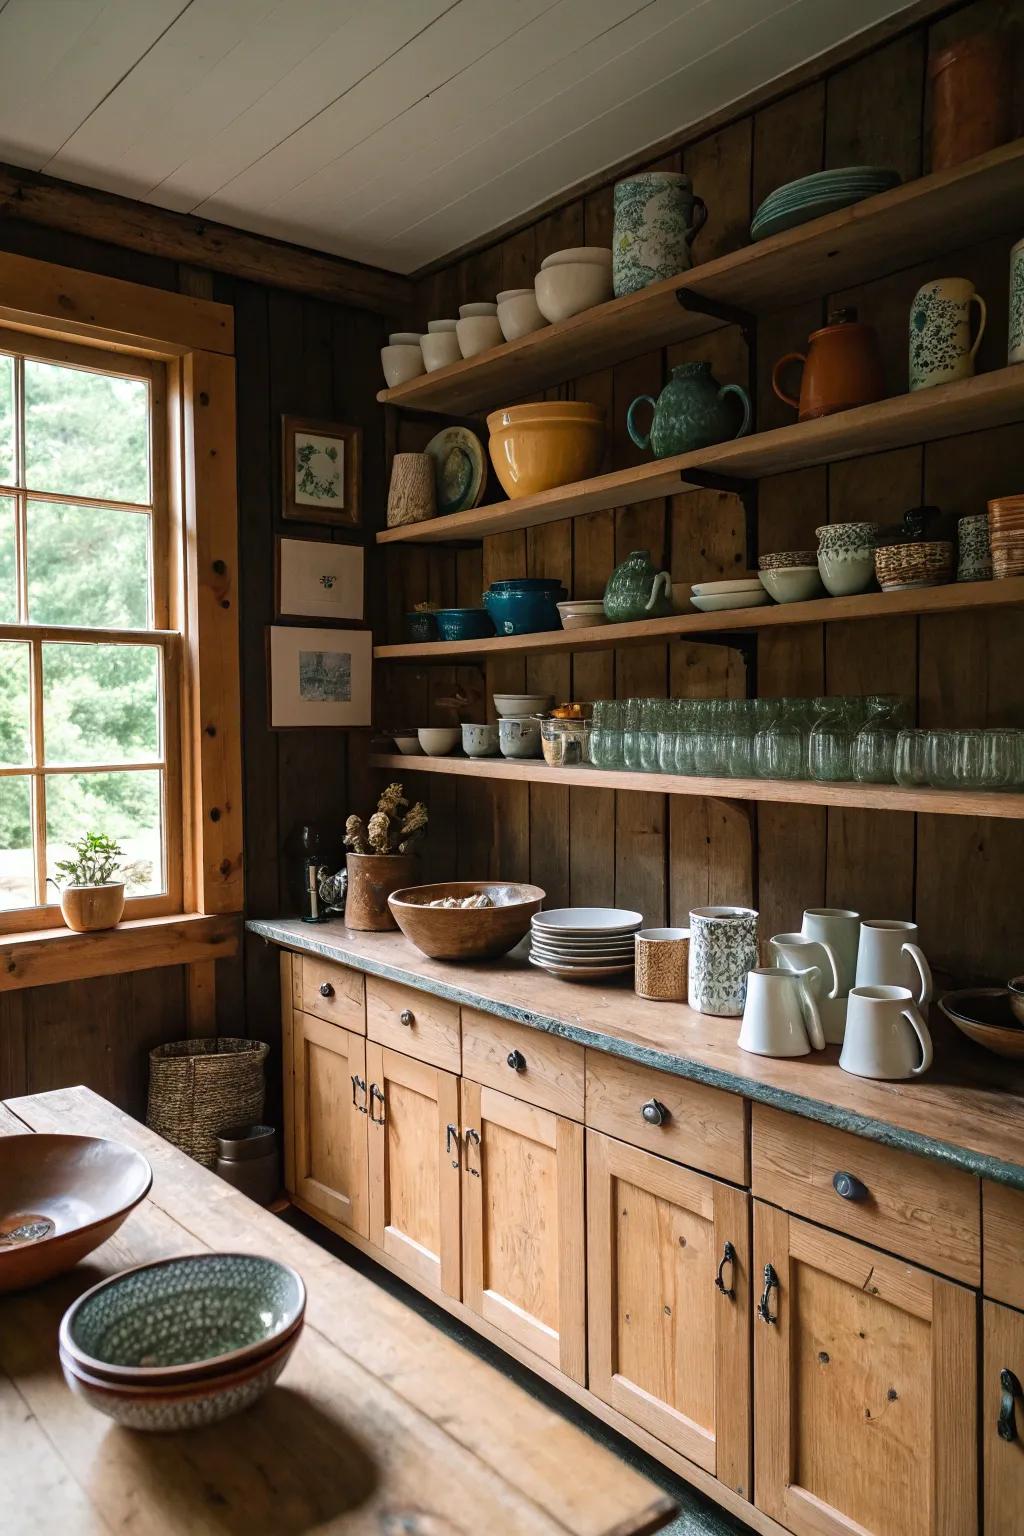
(177, 1320)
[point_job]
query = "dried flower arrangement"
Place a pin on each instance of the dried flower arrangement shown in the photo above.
(395, 826)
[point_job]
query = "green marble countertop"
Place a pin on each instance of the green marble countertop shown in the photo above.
(968, 1111)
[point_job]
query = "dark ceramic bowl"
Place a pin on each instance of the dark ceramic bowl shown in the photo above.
(464, 624)
(527, 606)
(984, 1015)
(420, 628)
(1016, 989)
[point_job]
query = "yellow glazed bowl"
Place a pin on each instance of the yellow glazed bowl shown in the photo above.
(553, 442)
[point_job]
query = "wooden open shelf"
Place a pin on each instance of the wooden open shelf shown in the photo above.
(957, 597)
(873, 797)
(990, 400)
(925, 218)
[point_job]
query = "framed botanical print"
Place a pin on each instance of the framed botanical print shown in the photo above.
(318, 580)
(319, 677)
(321, 466)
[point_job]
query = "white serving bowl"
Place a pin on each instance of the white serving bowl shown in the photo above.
(478, 333)
(596, 255)
(476, 310)
(439, 349)
(517, 706)
(404, 338)
(793, 583)
(721, 602)
(732, 584)
(436, 327)
(845, 574)
(519, 738)
(408, 745)
(518, 314)
(439, 740)
(580, 613)
(569, 288)
(401, 363)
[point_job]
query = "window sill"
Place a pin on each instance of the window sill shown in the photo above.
(49, 955)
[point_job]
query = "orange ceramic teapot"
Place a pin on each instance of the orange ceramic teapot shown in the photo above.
(842, 368)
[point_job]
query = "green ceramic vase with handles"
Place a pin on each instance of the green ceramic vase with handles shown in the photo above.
(693, 411)
(636, 590)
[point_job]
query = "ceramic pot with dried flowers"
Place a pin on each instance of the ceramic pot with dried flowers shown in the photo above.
(381, 858)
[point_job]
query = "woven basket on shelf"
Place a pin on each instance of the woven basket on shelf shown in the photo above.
(926, 563)
(200, 1087)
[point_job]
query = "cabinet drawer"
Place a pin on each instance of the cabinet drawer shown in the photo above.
(1002, 1225)
(414, 1022)
(333, 993)
(704, 1127)
(919, 1210)
(527, 1063)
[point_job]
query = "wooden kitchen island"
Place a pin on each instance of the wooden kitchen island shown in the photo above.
(381, 1423)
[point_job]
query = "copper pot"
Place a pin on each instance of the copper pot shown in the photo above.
(371, 879)
(842, 368)
(972, 98)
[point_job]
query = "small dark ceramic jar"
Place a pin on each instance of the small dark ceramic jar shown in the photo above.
(420, 628)
(247, 1159)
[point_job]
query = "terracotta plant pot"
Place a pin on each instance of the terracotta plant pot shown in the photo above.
(88, 908)
(371, 879)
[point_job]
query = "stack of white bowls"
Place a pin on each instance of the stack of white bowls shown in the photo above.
(477, 328)
(440, 346)
(736, 592)
(518, 314)
(584, 943)
(402, 358)
(573, 280)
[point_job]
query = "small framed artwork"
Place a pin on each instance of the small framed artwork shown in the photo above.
(319, 677)
(321, 466)
(318, 580)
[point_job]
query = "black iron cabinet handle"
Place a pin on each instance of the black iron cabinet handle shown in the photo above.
(360, 1083)
(728, 1257)
(1010, 1388)
(377, 1096)
(472, 1139)
(451, 1136)
(771, 1283)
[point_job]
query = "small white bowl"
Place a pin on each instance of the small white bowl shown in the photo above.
(596, 255)
(582, 613)
(475, 311)
(732, 584)
(518, 315)
(846, 574)
(478, 333)
(519, 738)
(480, 740)
(793, 583)
(510, 293)
(439, 349)
(721, 602)
(571, 287)
(408, 745)
(401, 363)
(437, 327)
(518, 706)
(439, 740)
(404, 338)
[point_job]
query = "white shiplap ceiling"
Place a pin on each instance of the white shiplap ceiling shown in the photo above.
(391, 131)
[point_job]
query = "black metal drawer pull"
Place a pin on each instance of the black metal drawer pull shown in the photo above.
(849, 1186)
(728, 1257)
(517, 1061)
(771, 1283)
(1010, 1387)
(326, 990)
(654, 1112)
(360, 1083)
(407, 1017)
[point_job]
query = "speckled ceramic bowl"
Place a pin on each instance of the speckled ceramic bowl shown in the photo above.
(178, 1320)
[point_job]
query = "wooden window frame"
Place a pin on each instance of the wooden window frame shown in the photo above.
(51, 307)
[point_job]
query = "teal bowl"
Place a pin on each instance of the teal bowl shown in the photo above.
(464, 623)
(204, 1315)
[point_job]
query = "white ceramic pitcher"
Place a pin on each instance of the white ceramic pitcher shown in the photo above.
(780, 1016)
(889, 956)
(886, 1037)
(797, 953)
(838, 933)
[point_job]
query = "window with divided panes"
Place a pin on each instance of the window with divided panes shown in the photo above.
(88, 729)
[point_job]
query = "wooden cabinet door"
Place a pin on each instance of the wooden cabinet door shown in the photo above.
(864, 1388)
(522, 1224)
(414, 1165)
(668, 1347)
(1002, 1414)
(329, 1094)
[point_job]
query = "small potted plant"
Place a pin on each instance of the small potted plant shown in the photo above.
(91, 897)
(381, 858)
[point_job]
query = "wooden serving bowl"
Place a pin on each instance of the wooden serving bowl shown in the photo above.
(60, 1197)
(453, 933)
(984, 1015)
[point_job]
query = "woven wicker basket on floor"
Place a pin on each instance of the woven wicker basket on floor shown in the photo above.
(200, 1087)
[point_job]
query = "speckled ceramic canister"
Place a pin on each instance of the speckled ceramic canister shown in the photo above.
(662, 957)
(723, 950)
(656, 217)
(1015, 332)
(941, 349)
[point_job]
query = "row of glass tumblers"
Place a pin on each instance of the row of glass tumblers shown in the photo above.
(828, 739)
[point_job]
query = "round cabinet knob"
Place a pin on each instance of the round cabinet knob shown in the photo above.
(326, 990)
(407, 1017)
(654, 1112)
(517, 1061)
(849, 1186)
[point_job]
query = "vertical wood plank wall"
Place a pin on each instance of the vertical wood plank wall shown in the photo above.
(295, 356)
(663, 855)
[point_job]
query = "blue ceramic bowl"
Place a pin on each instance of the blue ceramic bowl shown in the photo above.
(463, 624)
(526, 606)
(420, 627)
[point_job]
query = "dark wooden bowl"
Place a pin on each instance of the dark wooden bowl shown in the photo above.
(456, 934)
(74, 1191)
(984, 1015)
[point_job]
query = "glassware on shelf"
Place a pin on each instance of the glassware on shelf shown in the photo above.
(830, 742)
(910, 763)
(874, 747)
(631, 734)
(652, 715)
(606, 749)
(668, 735)
(781, 747)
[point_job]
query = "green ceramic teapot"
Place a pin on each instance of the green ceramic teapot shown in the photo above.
(692, 411)
(636, 590)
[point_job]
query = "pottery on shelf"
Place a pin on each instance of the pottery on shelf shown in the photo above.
(519, 706)
(657, 216)
(941, 348)
(460, 469)
(464, 623)
(480, 740)
(440, 348)
(842, 367)
(693, 411)
(568, 288)
(723, 951)
(636, 590)
(1015, 329)
(412, 497)
(519, 737)
(518, 314)
(420, 628)
(846, 556)
(974, 560)
(401, 362)
(478, 333)
(545, 444)
(525, 605)
(972, 97)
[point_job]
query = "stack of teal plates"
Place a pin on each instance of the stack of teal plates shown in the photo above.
(812, 196)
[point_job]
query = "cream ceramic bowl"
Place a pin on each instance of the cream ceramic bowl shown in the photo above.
(596, 255)
(568, 288)
(440, 348)
(477, 310)
(478, 333)
(436, 327)
(518, 314)
(409, 746)
(404, 339)
(552, 442)
(516, 706)
(582, 614)
(793, 584)
(401, 363)
(439, 740)
(519, 738)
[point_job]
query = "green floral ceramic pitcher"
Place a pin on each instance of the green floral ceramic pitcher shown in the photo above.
(692, 411)
(636, 590)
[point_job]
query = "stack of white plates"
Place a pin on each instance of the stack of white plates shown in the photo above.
(584, 943)
(737, 592)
